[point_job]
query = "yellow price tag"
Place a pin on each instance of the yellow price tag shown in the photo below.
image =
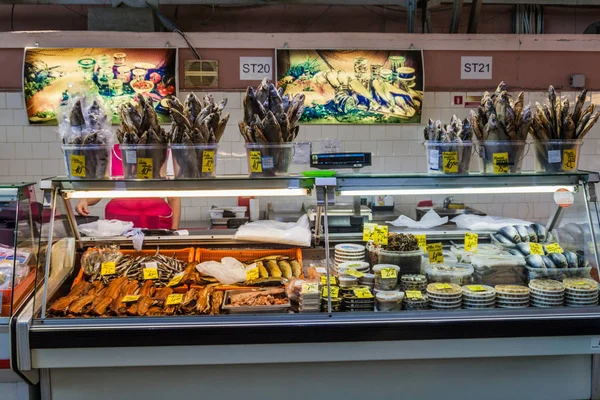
(108, 268)
(310, 288)
(174, 299)
(129, 299)
(208, 161)
(442, 286)
(255, 161)
(500, 161)
(414, 295)
(324, 280)
(77, 164)
(536, 248)
(436, 255)
(150, 273)
(144, 168)
(252, 274)
(380, 235)
(353, 272)
(363, 293)
(176, 279)
(476, 288)
(389, 273)
(368, 231)
(579, 283)
(422, 241)
(471, 240)
(554, 248)
(335, 292)
(450, 160)
(569, 161)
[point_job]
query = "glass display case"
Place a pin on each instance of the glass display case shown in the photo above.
(348, 290)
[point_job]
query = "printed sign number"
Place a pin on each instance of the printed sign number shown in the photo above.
(208, 161)
(450, 160)
(256, 68)
(77, 165)
(476, 68)
(144, 168)
(255, 161)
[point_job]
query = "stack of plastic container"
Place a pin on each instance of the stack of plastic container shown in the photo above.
(346, 252)
(444, 296)
(580, 292)
(512, 296)
(309, 299)
(547, 293)
(478, 296)
(413, 282)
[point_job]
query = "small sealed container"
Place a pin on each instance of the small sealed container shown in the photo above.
(88, 161)
(144, 161)
(483, 249)
(499, 269)
(459, 274)
(448, 158)
(408, 261)
(269, 159)
(386, 276)
(556, 156)
(501, 157)
(195, 161)
(389, 301)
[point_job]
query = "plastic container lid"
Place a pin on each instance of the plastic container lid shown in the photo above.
(350, 248)
(389, 296)
(448, 271)
(448, 289)
(547, 285)
(379, 267)
(478, 291)
(581, 284)
(413, 279)
(512, 290)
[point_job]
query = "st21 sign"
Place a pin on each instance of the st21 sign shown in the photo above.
(476, 68)
(256, 68)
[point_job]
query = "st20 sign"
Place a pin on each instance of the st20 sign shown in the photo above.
(256, 68)
(476, 68)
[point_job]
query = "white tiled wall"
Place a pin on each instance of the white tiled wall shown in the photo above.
(29, 153)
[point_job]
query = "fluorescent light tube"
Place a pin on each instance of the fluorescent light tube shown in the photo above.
(463, 190)
(127, 194)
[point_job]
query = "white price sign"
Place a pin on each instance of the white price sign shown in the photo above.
(256, 68)
(476, 68)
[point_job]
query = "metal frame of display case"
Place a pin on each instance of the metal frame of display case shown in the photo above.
(49, 334)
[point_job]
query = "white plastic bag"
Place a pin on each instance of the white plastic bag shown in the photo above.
(485, 223)
(228, 271)
(292, 233)
(105, 228)
(430, 220)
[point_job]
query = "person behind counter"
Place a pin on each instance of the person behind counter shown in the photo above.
(144, 213)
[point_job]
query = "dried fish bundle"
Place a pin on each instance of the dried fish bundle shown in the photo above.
(449, 146)
(144, 142)
(196, 129)
(269, 127)
(501, 125)
(84, 127)
(558, 131)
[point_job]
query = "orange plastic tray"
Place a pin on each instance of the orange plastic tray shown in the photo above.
(245, 254)
(185, 255)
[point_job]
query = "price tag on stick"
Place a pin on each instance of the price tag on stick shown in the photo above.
(471, 240)
(368, 231)
(381, 235)
(436, 254)
(422, 241)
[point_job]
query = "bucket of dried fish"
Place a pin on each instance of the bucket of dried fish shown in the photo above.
(148, 161)
(556, 156)
(501, 156)
(269, 159)
(87, 161)
(194, 161)
(448, 158)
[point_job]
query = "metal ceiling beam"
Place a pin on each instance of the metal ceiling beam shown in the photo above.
(474, 16)
(456, 13)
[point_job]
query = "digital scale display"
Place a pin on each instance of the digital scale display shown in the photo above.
(340, 160)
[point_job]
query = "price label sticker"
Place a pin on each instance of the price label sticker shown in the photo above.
(108, 268)
(414, 295)
(501, 164)
(569, 160)
(144, 168)
(389, 273)
(554, 156)
(208, 161)
(255, 161)
(324, 280)
(380, 235)
(335, 292)
(176, 279)
(450, 160)
(436, 255)
(310, 288)
(434, 160)
(363, 293)
(252, 274)
(476, 288)
(471, 240)
(442, 286)
(353, 272)
(150, 273)
(536, 248)
(174, 299)
(130, 299)
(554, 248)
(368, 231)
(422, 241)
(77, 164)
(151, 264)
